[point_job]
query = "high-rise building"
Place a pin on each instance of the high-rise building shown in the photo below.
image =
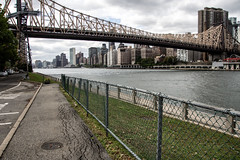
(171, 52)
(235, 27)
(58, 61)
(45, 64)
(64, 60)
(73, 56)
(189, 55)
(148, 52)
(212, 17)
(85, 60)
(111, 55)
(123, 55)
(102, 54)
(239, 31)
(135, 55)
(38, 64)
(93, 55)
(79, 58)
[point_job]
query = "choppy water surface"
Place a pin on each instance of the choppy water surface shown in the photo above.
(218, 88)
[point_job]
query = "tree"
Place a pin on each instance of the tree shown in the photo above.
(169, 60)
(8, 44)
(148, 62)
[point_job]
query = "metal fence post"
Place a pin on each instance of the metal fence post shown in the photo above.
(97, 90)
(155, 102)
(119, 92)
(87, 94)
(73, 87)
(106, 108)
(185, 111)
(68, 84)
(64, 81)
(79, 88)
(90, 89)
(134, 96)
(231, 124)
(160, 119)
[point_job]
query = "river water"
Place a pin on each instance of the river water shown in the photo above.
(218, 88)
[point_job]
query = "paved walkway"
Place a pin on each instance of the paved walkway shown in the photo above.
(52, 122)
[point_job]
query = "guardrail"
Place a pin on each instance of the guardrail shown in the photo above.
(155, 126)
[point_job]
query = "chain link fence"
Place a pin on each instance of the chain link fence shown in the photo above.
(155, 126)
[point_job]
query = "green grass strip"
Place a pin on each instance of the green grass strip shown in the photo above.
(137, 128)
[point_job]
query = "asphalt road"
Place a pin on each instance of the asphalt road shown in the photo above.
(10, 81)
(12, 103)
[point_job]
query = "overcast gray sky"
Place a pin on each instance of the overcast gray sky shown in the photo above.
(158, 16)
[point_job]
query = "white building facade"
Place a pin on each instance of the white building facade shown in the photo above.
(73, 56)
(182, 55)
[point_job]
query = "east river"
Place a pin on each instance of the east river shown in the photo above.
(217, 88)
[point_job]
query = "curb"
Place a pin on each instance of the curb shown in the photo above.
(6, 141)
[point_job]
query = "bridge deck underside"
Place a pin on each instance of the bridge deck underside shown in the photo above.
(114, 37)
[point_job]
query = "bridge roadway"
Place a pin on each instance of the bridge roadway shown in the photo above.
(56, 33)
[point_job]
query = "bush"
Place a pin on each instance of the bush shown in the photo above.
(47, 81)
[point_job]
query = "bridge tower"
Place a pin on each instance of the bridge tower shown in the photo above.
(20, 35)
(21, 15)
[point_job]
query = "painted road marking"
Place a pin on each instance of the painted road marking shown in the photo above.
(11, 88)
(3, 105)
(9, 96)
(4, 124)
(10, 113)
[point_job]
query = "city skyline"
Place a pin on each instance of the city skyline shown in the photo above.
(158, 17)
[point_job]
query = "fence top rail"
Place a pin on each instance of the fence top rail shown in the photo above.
(121, 86)
(181, 100)
(204, 106)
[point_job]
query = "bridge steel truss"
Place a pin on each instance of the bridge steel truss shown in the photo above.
(60, 22)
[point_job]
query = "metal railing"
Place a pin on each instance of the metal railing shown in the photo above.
(154, 126)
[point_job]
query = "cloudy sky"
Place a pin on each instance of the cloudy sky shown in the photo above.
(158, 16)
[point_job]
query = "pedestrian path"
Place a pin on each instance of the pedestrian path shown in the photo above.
(53, 130)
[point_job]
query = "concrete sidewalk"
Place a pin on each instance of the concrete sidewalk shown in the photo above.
(53, 130)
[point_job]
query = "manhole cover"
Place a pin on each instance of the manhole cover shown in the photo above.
(51, 145)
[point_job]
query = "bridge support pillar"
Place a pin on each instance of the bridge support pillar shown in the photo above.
(22, 48)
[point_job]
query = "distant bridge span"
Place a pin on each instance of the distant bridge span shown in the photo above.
(59, 22)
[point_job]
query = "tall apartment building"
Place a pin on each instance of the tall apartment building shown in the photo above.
(239, 32)
(73, 56)
(112, 55)
(93, 55)
(171, 52)
(211, 17)
(235, 28)
(38, 64)
(58, 61)
(64, 60)
(123, 55)
(135, 55)
(79, 58)
(148, 52)
(188, 55)
(102, 55)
